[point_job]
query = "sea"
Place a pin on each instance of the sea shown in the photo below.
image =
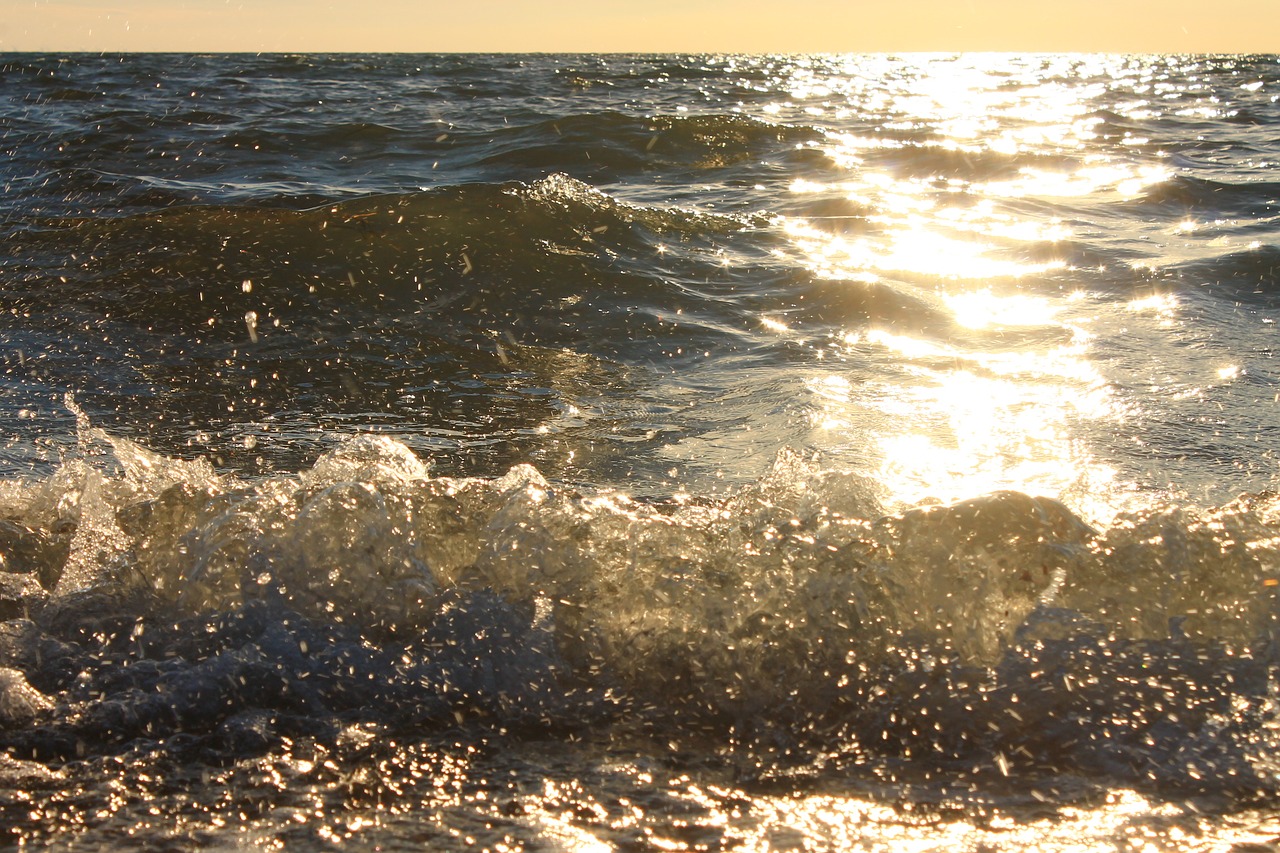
(639, 452)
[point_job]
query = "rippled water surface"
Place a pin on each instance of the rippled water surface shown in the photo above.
(643, 452)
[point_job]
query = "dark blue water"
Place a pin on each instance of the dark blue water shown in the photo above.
(658, 452)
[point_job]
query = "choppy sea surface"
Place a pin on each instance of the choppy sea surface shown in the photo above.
(639, 452)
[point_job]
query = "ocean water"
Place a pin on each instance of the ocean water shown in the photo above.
(639, 452)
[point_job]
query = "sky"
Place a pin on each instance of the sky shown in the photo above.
(746, 26)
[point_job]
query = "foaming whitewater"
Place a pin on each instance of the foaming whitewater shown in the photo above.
(166, 614)
(638, 452)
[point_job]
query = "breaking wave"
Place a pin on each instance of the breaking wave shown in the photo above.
(150, 597)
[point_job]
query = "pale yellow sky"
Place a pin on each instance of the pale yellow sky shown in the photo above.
(747, 26)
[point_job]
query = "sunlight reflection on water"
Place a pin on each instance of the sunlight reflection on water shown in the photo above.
(1010, 395)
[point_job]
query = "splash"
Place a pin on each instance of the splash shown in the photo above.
(793, 606)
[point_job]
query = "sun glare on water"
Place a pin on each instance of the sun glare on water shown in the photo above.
(998, 394)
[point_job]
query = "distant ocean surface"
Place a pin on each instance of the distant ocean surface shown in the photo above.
(548, 452)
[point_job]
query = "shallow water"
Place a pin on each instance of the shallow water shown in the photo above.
(649, 452)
